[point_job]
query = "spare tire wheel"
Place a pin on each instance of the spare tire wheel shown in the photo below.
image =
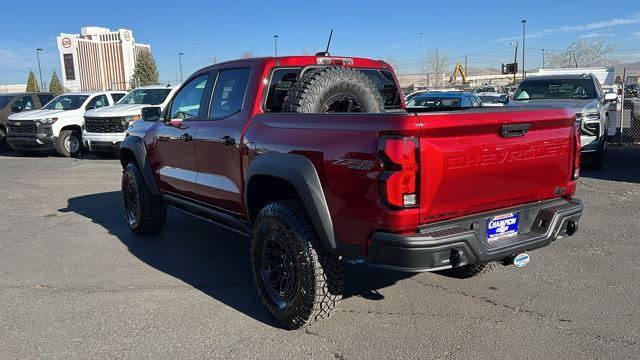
(333, 90)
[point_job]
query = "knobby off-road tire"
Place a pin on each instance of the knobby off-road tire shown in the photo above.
(466, 271)
(68, 143)
(298, 281)
(331, 90)
(145, 213)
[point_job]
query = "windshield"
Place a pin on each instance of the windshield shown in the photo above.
(434, 102)
(145, 96)
(4, 100)
(556, 89)
(66, 102)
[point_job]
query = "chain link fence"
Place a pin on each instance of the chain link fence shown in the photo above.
(626, 129)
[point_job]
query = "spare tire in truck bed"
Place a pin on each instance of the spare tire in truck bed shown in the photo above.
(333, 90)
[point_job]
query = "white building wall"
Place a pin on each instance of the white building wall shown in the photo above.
(110, 64)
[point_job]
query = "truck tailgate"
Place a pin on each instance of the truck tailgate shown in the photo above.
(469, 166)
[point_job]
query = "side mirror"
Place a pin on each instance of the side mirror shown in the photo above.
(151, 113)
(16, 109)
(91, 107)
(608, 97)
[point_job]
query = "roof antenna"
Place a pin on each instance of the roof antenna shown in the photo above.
(275, 44)
(326, 52)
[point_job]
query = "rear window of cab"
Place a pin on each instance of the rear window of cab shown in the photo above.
(283, 78)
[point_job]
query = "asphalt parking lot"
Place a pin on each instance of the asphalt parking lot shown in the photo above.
(74, 283)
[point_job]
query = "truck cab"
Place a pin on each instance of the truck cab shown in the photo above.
(105, 128)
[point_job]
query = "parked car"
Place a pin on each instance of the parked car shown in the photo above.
(583, 94)
(492, 99)
(486, 89)
(58, 125)
(105, 128)
(631, 91)
(314, 159)
(17, 102)
(444, 101)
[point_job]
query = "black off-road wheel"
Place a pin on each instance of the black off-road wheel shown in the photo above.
(333, 90)
(298, 281)
(68, 143)
(466, 271)
(144, 213)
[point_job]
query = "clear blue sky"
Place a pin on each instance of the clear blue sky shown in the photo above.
(380, 29)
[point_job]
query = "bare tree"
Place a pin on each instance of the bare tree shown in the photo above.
(248, 54)
(305, 51)
(438, 63)
(582, 53)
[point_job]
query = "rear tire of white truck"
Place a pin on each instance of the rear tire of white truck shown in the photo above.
(333, 90)
(68, 143)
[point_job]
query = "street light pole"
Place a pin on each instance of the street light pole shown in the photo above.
(515, 61)
(39, 68)
(422, 62)
(524, 24)
(197, 44)
(180, 64)
(543, 58)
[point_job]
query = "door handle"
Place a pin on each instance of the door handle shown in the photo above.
(514, 130)
(186, 137)
(227, 141)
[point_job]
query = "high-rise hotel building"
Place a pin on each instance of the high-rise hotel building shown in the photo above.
(98, 58)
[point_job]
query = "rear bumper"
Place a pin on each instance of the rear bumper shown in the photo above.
(462, 241)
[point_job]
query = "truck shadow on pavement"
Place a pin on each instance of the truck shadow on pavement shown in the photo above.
(621, 164)
(209, 258)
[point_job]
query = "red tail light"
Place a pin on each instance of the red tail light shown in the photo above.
(399, 181)
(577, 147)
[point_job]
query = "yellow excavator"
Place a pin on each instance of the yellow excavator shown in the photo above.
(463, 75)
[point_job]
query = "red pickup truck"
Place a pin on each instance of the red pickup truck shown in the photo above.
(316, 159)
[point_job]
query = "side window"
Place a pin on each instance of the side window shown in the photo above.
(44, 99)
(117, 96)
(98, 102)
(228, 94)
(25, 102)
(186, 103)
(465, 102)
(281, 81)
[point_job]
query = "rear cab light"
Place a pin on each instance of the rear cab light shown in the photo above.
(399, 183)
(334, 61)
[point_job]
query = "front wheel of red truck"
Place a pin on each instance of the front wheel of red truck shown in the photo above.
(298, 281)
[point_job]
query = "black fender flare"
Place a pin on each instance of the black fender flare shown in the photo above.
(298, 171)
(136, 146)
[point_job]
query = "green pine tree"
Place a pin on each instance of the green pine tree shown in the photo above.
(54, 85)
(145, 71)
(32, 83)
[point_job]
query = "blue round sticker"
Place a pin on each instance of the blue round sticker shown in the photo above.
(521, 260)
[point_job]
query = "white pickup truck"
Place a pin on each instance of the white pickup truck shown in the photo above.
(105, 128)
(58, 124)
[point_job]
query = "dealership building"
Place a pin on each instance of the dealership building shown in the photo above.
(98, 58)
